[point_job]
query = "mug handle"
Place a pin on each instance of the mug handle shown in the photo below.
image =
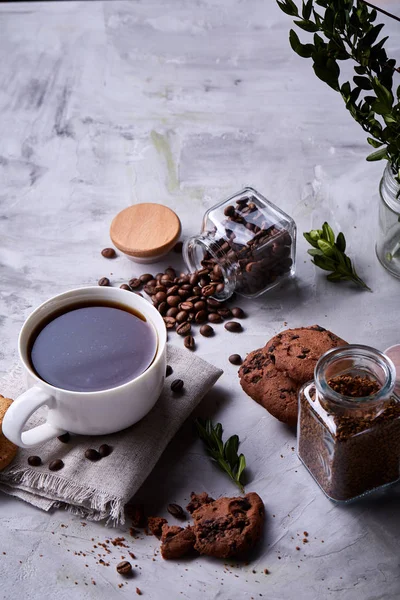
(19, 412)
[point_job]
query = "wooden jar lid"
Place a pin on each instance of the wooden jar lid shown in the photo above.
(145, 231)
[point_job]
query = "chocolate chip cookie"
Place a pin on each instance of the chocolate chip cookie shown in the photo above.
(296, 351)
(229, 527)
(273, 389)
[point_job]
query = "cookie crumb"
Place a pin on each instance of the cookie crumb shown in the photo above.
(138, 591)
(266, 571)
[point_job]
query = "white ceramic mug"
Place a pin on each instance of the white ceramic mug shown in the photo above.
(88, 413)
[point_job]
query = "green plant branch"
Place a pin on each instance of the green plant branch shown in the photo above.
(225, 455)
(346, 31)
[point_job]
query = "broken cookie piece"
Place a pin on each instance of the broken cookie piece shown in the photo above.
(176, 541)
(155, 525)
(197, 500)
(229, 527)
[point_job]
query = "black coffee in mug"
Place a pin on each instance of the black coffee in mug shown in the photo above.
(95, 346)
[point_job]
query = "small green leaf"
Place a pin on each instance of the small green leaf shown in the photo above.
(307, 8)
(334, 276)
(341, 242)
(326, 248)
(378, 155)
(303, 50)
(307, 26)
(242, 466)
(362, 82)
(289, 8)
(329, 236)
(374, 143)
(230, 450)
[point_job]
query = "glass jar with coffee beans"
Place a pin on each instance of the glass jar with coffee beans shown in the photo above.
(349, 423)
(246, 245)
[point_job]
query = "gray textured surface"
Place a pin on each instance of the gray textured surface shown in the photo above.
(106, 103)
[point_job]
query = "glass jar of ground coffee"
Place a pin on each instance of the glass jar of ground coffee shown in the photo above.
(246, 245)
(349, 423)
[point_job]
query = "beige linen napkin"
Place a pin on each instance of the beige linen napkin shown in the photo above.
(98, 490)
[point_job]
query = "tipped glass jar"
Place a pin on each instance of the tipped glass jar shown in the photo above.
(249, 241)
(349, 423)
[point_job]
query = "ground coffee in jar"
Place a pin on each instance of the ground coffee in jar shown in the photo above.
(349, 423)
(248, 241)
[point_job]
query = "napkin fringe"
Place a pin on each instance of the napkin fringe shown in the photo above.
(98, 504)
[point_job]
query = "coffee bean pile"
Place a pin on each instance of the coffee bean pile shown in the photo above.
(261, 250)
(350, 453)
(185, 300)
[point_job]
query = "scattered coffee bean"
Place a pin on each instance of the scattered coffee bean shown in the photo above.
(124, 567)
(172, 312)
(173, 301)
(206, 330)
(56, 464)
(178, 247)
(187, 306)
(104, 281)
(105, 450)
(124, 286)
(176, 511)
(92, 454)
(238, 313)
(181, 317)
(146, 277)
(163, 308)
(177, 386)
(214, 318)
(149, 289)
(108, 253)
(225, 313)
(34, 461)
(135, 283)
(169, 322)
(183, 329)
(235, 359)
(64, 438)
(168, 371)
(189, 342)
(201, 316)
(233, 326)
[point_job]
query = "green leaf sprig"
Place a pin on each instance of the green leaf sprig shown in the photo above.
(329, 254)
(343, 30)
(225, 455)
